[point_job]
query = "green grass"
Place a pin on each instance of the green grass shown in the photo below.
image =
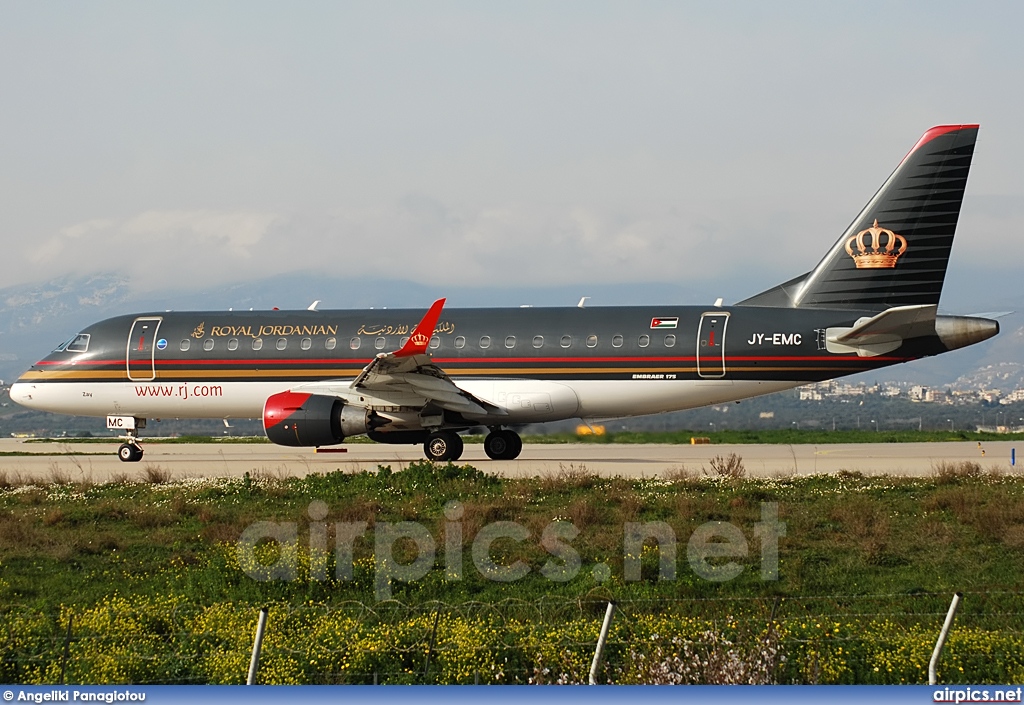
(871, 551)
(781, 437)
(849, 534)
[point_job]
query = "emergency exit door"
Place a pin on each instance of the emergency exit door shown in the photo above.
(142, 349)
(711, 344)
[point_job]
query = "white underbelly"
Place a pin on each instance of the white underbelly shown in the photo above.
(527, 401)
(187, 400)
(617, 398)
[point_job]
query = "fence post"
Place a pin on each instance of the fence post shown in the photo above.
(596, 664)
(932, 678)
(254, 662)
(433, 639)
(67, 648)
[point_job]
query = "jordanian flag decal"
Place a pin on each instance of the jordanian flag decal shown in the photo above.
(665, 322)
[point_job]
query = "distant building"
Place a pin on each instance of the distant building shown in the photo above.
(935, 396)
(1015, 396)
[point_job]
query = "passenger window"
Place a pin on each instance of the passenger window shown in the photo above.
(208, 344)
(538, 341)
(460, 342)
(435, 343)
(306, 344)
(332, 343)
(402, 341)
(566, 341)
(510, 341)
(257, 343)
(616, 341)
(185, 345)
(670, 341)
(282, 343)
(353, 343)
(233, 344)
(591, 341)
(485, 342)
(644, 341)
(379, 343)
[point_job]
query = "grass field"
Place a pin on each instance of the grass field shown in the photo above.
(865, 570)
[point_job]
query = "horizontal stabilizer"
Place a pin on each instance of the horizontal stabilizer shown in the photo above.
(884, 332)
(902, 321)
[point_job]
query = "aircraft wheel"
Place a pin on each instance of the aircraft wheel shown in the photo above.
(503, 445)
(443, 446)
(129, 453)
(515, 445)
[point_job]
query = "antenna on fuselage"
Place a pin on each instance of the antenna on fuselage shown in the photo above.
(312, 306)
(583, 302)
(718, 302)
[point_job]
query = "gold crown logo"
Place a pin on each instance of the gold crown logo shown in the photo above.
(873, 253)
(420, 339)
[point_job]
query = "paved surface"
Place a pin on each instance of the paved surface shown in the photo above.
(99, 463)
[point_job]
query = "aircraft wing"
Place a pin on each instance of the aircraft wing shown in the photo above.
(410, 370)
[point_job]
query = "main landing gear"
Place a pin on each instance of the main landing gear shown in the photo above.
(503, 444)
(444, 446)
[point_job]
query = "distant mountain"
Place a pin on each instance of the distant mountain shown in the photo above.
(36, 318)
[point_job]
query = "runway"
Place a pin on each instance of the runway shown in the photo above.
(97, 461)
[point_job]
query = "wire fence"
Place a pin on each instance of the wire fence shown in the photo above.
(816, 639)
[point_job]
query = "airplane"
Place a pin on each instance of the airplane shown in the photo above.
(318, 378)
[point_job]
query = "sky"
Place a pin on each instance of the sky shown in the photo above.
(516, 145)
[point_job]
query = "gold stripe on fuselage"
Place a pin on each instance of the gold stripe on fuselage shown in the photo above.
(321, 373)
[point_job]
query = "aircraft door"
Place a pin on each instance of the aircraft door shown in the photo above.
(711, 344)
(142, 349)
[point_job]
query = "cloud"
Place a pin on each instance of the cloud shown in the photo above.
(735, 250)
(154, 248)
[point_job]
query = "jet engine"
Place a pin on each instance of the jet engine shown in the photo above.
(301, 419)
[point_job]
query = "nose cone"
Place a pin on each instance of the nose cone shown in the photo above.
(21, 393)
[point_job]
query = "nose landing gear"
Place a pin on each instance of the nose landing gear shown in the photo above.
(130, 451)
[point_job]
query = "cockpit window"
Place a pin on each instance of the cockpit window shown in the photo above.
(77, 344)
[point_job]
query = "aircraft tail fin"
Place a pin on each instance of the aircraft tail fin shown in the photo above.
(896, 250)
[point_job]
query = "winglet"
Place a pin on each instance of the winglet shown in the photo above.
(420, 338)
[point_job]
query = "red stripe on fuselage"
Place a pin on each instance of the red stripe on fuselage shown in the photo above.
(348, 362)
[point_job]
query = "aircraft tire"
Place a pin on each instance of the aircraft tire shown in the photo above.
(503, 445)
(515, 445)
(443, 446)
(129, 453)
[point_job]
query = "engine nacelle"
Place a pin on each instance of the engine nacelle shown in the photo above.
(301, 419)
